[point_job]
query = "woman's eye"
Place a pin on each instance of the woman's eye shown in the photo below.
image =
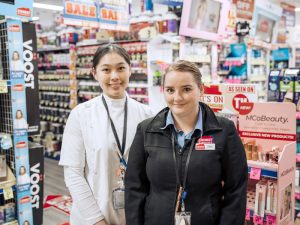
(122, 68)
(187, 89)
(170, 90)
(105, 70)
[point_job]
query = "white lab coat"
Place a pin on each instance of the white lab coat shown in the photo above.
(88, 143)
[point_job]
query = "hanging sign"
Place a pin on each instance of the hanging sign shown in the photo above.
(17, 8)
(169, 2)
(114, 15)
(289, 13)
(81, 13)
(244, 9)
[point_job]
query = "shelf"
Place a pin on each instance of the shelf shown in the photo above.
(258, 78)
(53, 49)
(138, 85)
(198, 58)
(138, 96)
(88, 93)
(96, 42)
(267, 169)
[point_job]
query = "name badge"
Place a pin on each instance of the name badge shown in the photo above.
(205, 143)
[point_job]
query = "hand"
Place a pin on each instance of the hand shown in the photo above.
(101, 222)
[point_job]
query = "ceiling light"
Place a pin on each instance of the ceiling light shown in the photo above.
(297, 9)
(47, 6)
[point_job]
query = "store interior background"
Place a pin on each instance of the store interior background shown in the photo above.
(53, 180)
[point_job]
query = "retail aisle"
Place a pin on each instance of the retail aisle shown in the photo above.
(55, 190)
(54, 179)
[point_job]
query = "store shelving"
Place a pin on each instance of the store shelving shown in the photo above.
(58, 93)
(137, 88)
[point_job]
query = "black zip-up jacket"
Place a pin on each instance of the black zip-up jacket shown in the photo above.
(150, 180)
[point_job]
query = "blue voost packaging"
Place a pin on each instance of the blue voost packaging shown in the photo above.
(287, 85)
(273, 85)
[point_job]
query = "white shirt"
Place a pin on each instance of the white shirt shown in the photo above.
(89, 154)
(17, 65)
(20, 124)
(23, 179)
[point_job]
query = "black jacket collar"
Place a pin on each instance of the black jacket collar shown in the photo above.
(210, 121)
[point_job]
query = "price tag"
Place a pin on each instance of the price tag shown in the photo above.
(3, 87)
(255, 173)
(247, 214)
(271, 220)
(258, 220)
(8, 193)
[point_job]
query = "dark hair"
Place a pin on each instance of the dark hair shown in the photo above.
(20, 169)
(26, 222)
(109, 48)
(184, 66)
(20, 112)
(14, 53)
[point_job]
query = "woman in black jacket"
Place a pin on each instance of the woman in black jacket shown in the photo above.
(186, 161)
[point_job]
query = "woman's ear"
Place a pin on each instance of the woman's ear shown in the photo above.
(93, 72)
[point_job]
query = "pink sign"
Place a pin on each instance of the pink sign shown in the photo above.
(258, 220)
(271, 220)
(255, 173)
(247, 214)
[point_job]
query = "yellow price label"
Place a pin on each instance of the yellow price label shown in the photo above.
(3, 87)
(8, 193)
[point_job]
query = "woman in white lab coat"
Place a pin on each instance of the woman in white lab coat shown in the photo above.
(96, 142)
(19, 121)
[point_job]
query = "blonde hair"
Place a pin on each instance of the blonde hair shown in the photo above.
(184, 66)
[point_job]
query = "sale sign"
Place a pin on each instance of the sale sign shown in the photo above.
(114, 15)
(81, 13)
(244, 9)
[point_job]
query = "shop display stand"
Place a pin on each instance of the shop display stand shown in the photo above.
(58, 95)
(271, 160)
(297, 178)
(14, 197)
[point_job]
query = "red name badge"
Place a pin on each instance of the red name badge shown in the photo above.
(205, 143)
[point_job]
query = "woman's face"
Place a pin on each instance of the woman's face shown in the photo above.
(22, 170)
(181, 93)
(16, 56)
(19, 115)
(112, 73)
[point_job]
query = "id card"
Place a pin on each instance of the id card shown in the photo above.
(183, 218)
(118, 198)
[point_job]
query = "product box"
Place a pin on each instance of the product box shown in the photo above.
(260, 198)
(287, 85)
(272, 196)
(297, 89)
(273, 85)
(36, 161)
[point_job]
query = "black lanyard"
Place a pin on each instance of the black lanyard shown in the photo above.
(121, 148)
(182, 186)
